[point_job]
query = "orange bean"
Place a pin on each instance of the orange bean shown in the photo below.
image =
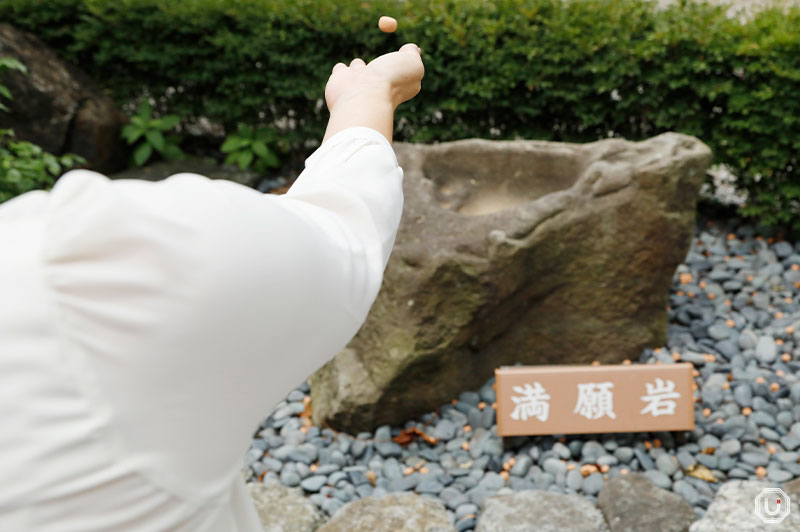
(387, 24)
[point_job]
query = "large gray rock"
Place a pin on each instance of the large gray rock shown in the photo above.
(539, 511)
(400, 512)
(632, 503)
(792, 489)
(283, 509)
(58, 107)
(516, 251)
(733, 508)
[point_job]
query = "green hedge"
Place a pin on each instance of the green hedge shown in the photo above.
(536, 69)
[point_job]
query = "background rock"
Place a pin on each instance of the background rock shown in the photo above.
(283, 509)
(401, 512)
(58, 107)
(540, 511)
(632, 503)
(516, 251)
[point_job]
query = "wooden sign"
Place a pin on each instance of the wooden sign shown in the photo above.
(589, 399)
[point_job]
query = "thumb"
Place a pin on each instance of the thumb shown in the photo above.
(411, 47)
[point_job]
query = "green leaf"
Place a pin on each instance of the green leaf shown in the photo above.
(246, 130)
(265, 134)
(271, 160)
(12, 64)
(142, 154)
(172, 152)
(155, 138)
(166, 122)
(132, 132)
(260, 148)
(145, 110)
(234, 143)
(231, 159)
(5, 92)
(52, 165)
(245, 158)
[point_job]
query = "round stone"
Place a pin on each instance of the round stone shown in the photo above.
(314, 483)
(593, 484)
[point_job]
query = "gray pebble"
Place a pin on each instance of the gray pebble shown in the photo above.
(644, 460)
(624, 454)
(562, 451)
(592, 450)
(593, 484)
(748, 339)
(314, 483)
(429, 485)
(790, 442)
(762, 418)
(451, 497)
(554, 466)
(444, 429)
(765, 350)
(709, 440)
(659, 479)
(330, 506)
(731, 447)
(521, 466)
(574, 479)
(492, 481)
(387, 449)
(466, 509)
(708, 460)
(290, 478)
(778, 475)
(687, 491)
(465, 524)
(667, 464)
(743, 395)
(685, 459)
(755, 458)
(719, 331)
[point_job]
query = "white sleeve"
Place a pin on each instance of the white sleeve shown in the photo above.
(196, 305)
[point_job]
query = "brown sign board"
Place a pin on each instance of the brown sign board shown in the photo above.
(533, 400)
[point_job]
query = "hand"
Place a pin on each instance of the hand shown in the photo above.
(397, 74)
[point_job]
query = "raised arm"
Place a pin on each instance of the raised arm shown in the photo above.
(194, 305)
(368, 94)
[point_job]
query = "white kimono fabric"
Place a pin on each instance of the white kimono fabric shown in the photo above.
(147, 329)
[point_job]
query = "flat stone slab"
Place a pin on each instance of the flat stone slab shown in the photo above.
(633, 503)
(284, 509)
(733, 509)
(400, 512)
(540, 511)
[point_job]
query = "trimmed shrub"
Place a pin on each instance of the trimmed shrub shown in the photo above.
(571, 71)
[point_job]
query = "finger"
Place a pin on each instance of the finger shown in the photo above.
(338, 66)
(357, 62)
(411, 47)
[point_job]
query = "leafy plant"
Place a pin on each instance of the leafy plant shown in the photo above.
(251, 146)
(9, 63)
(150, 134)
(25, 166)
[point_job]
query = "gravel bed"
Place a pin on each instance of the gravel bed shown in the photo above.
(733, 312)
